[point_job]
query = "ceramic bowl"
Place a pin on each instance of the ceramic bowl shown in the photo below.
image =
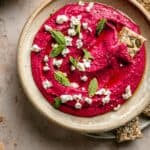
(99, 123)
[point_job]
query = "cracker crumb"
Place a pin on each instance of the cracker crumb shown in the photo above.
(15, 144)
(1, 146)
(130, 131)
(1, 119)
(146, 111)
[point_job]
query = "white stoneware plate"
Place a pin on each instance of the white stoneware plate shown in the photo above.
(101, 123)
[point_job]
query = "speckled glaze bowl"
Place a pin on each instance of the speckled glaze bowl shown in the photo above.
(99, 123)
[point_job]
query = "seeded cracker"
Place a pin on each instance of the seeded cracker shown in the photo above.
(133, 40)
(146, 111)
(130, 131)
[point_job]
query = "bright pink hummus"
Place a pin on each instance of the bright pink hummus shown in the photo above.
(111, 65)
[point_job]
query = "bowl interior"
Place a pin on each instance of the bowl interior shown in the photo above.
(95, 124)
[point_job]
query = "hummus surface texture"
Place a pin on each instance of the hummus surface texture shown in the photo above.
(88, 59)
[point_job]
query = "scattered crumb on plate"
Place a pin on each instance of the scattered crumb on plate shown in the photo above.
(130, 131)
(1, 119)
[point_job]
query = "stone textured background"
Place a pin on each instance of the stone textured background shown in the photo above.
(23, 129)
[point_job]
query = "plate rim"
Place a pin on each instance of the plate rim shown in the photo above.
(23, 33)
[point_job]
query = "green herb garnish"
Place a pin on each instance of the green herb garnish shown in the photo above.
(93, 86)
(59, 37)
(73, 61)
(57, 50)
(57, 102)
(100, 26)
(78, 29)
(87, 54)
(61, 78)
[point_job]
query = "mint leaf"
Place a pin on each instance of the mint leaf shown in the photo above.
(59, 37)
(61, 78)
(78, 29)
(100, 26)
(93, 87)
(57, 102)
(57, 50)
(73, 61)
(87, 54)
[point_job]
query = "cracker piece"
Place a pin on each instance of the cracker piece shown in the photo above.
(129, 132)
(133, 40)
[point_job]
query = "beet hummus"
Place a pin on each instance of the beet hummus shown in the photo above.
(88, 59)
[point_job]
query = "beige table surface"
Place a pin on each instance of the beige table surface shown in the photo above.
(24, 128)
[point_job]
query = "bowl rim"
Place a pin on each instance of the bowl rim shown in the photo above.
(31, 99)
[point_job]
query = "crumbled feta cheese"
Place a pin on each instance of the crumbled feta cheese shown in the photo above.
(90, 6)
(35, 48)
(71, 32)
(77, 97)
(79, 43)
(87, 63)
(117, 107)
(66, 98)
(81, 66)
(68, 40)
(46, 58)
(85, 25)
(61, 19)
(108, 92)
(46, 68)
(128, 93)
(103, 91)
(48, 28)
(47, 84)
(106, 99)
(75, 20)
(84, 78)
(81, 3)
(78, 105)
(65, 52)
(72, 68)
(88, 100)
(80, 36)
(74, 85)
(57, 63)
